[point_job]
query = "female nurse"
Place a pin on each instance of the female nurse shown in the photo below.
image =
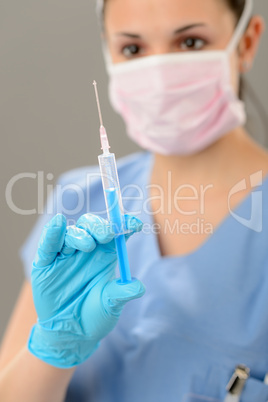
(200, 189)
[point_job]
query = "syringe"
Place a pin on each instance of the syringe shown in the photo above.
(113, 199)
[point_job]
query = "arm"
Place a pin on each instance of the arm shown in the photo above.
(23, 376)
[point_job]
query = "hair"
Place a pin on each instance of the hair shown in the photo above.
(237, 6)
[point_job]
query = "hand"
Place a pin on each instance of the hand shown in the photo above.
(77, 298)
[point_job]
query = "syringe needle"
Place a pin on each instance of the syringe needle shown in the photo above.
(103, 135)
(98, 102)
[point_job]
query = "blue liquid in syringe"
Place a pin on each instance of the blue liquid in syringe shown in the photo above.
(115, 216)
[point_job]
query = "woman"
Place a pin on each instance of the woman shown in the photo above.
(175, 69)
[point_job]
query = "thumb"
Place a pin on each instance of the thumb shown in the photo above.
(116, 295)
(51, 241)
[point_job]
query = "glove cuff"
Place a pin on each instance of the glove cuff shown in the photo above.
(60, 349)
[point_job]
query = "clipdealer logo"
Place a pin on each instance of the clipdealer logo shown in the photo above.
(168, 201)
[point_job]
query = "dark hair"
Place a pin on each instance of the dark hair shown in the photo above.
(237, 6)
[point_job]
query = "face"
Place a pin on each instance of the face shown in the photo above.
(138, 28)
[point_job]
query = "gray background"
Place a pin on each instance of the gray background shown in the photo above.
(49, 55)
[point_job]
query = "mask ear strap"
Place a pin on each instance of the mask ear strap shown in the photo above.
(99, 8)
(241, 26)
(106, 55)
(105, 51)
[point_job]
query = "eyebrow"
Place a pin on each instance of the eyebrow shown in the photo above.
(180, 30)
(129, 35)
(177, 31)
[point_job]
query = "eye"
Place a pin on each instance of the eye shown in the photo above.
(192, 44)
(131, 50)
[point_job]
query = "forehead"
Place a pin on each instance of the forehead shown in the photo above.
(132, 13)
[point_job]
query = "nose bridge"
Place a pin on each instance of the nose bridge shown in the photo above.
(159, 40)
(162, 50)
(160, 47)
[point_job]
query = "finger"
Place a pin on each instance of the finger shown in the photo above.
(51, 241)
(99, 228)
(116, 294)
(77, 239)
(133, 224)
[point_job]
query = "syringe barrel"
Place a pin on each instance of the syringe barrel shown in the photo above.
(112, 193)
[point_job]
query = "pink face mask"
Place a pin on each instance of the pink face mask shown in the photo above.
(178, 103)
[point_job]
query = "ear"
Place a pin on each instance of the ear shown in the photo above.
(250, 42)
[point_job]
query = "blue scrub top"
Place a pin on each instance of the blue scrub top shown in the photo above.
(203, 313)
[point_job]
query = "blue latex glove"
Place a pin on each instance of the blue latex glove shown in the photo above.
(77, 298)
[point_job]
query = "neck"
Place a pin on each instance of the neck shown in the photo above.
(222, 163)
